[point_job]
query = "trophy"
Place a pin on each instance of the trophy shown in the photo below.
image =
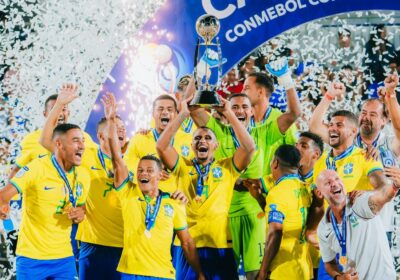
(207, 27)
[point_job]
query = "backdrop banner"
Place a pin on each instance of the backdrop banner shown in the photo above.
(164, 49)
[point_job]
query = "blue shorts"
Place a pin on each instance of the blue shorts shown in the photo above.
(99, 262)
(217, 264)
(58, 269)
(125, 276)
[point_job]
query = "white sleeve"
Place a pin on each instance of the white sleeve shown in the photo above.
(361, 207)
(327, 253)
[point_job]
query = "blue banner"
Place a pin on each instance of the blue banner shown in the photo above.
(167, 44)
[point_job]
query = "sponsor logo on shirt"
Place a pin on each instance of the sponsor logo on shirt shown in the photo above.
(46, 188)
(94, 168)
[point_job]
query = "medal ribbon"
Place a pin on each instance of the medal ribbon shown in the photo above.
(201, 176)
(235, 140)
(103, 163)
(308, 175)
(361, 144)
(266, 116)
(151, 216)
(345, 153)
(286, 177)
(387, 157)
(187, 128)
(156, 136)
(340, 236)
(61, 172)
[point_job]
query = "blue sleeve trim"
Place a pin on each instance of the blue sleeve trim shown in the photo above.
(374, 169)
(176, 164)
(275, 216)
(122, 184)
(264, 187)
(15, 185)
(181, 228)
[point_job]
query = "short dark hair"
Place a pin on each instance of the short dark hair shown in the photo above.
(344, 31)
(102, 121)
(347, 114)
(153, 158)
(165, 97)
(288, 156)
(50, 98)
(209, 129)
(237, 95)
(263, 80)
(318, 142)
(63, 129)
(384, 109)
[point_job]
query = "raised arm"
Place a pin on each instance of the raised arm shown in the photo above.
(280, 69)
(121, 172)
(274, 238)
(67, 94)
(6, 194)
(198, 114)
(165, 150)
(390, 99)
(387, 192)
(316, 124)
(244, 153)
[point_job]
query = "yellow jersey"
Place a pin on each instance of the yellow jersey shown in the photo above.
(287, 203)
(103, 224)
(142, 145)
(188, 126)
(45, 228)
(315, 255)
(352, 167)
(208, 214)
(31, 149)
(148, 255)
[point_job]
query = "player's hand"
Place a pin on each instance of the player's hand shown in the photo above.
(372, 153)
(312, 238)
(224, 108)
(353, 195)
(336, 89)
(4, 211)
(391, 82)
(164, 175)
(253, 186)
(201, 277)
(350, 274)
(67, 94)
(382, 93)
(185, 111)
(278, 67)
(76, 214)
(393, 173)
(190, 89)
(143, 131)
(179, 195)
(110, 105)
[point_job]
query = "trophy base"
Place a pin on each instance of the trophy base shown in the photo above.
(206, 98)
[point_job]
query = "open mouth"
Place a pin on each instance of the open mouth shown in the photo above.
(338, 191)
(144, 180)
(79, 154)
(61, 120)
(203, 149)
(333, 135)
(242, 119)
(120, 138)
(164, 121)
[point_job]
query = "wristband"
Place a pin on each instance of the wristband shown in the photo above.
(329, 96)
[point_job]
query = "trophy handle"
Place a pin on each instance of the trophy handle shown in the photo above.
(196, 56)
(218, 85)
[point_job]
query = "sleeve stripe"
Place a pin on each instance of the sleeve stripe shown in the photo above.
(176, 164)
(374, 169)
(15, 185)
(18, 165)
(122, 184)
(180, 228)
(264, 187)
(234, 166)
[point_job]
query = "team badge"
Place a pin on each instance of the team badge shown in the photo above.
(348, 168)
(169, 211)
(185, 150)
(217, 172)
(79, 190)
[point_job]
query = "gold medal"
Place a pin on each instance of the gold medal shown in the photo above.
(343, 260)
(198, 198)
(147, 233)
(261, 215)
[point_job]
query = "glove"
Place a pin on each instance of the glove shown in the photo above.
(280, 69)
